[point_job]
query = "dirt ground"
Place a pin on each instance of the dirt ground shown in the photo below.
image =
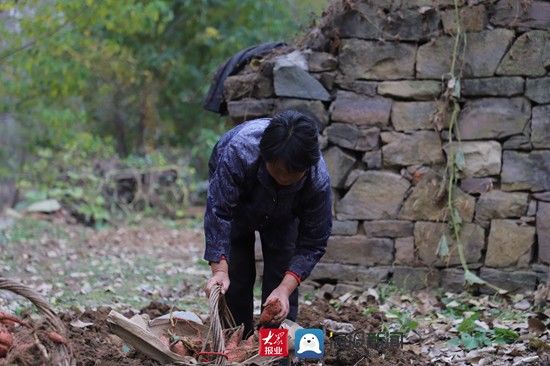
(95, 345)
(155, 266)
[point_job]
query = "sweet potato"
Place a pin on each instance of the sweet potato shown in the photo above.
(179, 348)
(250, 342)
(237, 355)
(270, 311)
(3, 351)
(56, 337)
(10, 321)
(246, 349)
(193, 344)
(6, 342)
(235, 339)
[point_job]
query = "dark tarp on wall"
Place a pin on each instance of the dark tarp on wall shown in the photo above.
(214, 99)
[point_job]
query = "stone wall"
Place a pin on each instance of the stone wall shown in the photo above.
(373, 73)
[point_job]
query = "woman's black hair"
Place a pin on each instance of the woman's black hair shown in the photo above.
(291, 137)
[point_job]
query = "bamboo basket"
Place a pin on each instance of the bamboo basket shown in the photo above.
(61, 354)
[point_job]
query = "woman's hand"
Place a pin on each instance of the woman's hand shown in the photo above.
(220, 276)
(281, 294)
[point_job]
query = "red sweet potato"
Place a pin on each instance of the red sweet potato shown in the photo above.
(6, 342)
(246, 349)
(249, 343)
(10, 320)
(179, 348)
(270, 311)
(3, 351)
(235, 339)
(56, 337)
(237, 355)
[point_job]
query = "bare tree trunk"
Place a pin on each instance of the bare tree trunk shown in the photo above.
(119, 126)
(149, 117)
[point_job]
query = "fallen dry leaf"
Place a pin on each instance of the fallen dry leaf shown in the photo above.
(536, 326)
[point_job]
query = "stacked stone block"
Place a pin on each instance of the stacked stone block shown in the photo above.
(373, 74)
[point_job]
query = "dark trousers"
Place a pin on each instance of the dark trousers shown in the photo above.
(242, 275)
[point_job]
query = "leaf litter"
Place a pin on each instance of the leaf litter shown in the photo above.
(81, 269)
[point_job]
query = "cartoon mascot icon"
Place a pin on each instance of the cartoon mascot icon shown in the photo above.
(309, 342)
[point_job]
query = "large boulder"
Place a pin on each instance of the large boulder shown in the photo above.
(247, 109)
(526, 171)
(374, 60)
(538, 89)
(505, 86)
(519, 142)
(483, 158)
(540, 126)
(427, 236)
(420, 147)
(388, 228)
(529, 55)
(350, 136)
(375, 195)
(472, 19)
(366, 21)
(351, 273)
(415, 278)
(527, 14)
(452, 279)
(405, 253)
(359, 250)
(512, 281)
(476, 185)
(344, 227)
(543, 231)
(311, 107)
(321, 61)
(410, 89)
(483, 53)
(339, 164)
(510, 244)
(373, 159)
(251, 85)
(493, 118)
(411, 116)
(499, 205)
(365, 87)
(361, 110)
(294, 82)
(423, 204)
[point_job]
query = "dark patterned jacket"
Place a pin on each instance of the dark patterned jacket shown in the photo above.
(243, 196)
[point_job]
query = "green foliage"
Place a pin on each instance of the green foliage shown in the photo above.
(503, 335)
(468, 325)
(404, 319)
(457, 310)
(369, 310)
(443, 247)
(28, 229)
(455, 158)
(385, 290)
(472, 335)
(69, 174)
(134, 71)
(336, 304)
